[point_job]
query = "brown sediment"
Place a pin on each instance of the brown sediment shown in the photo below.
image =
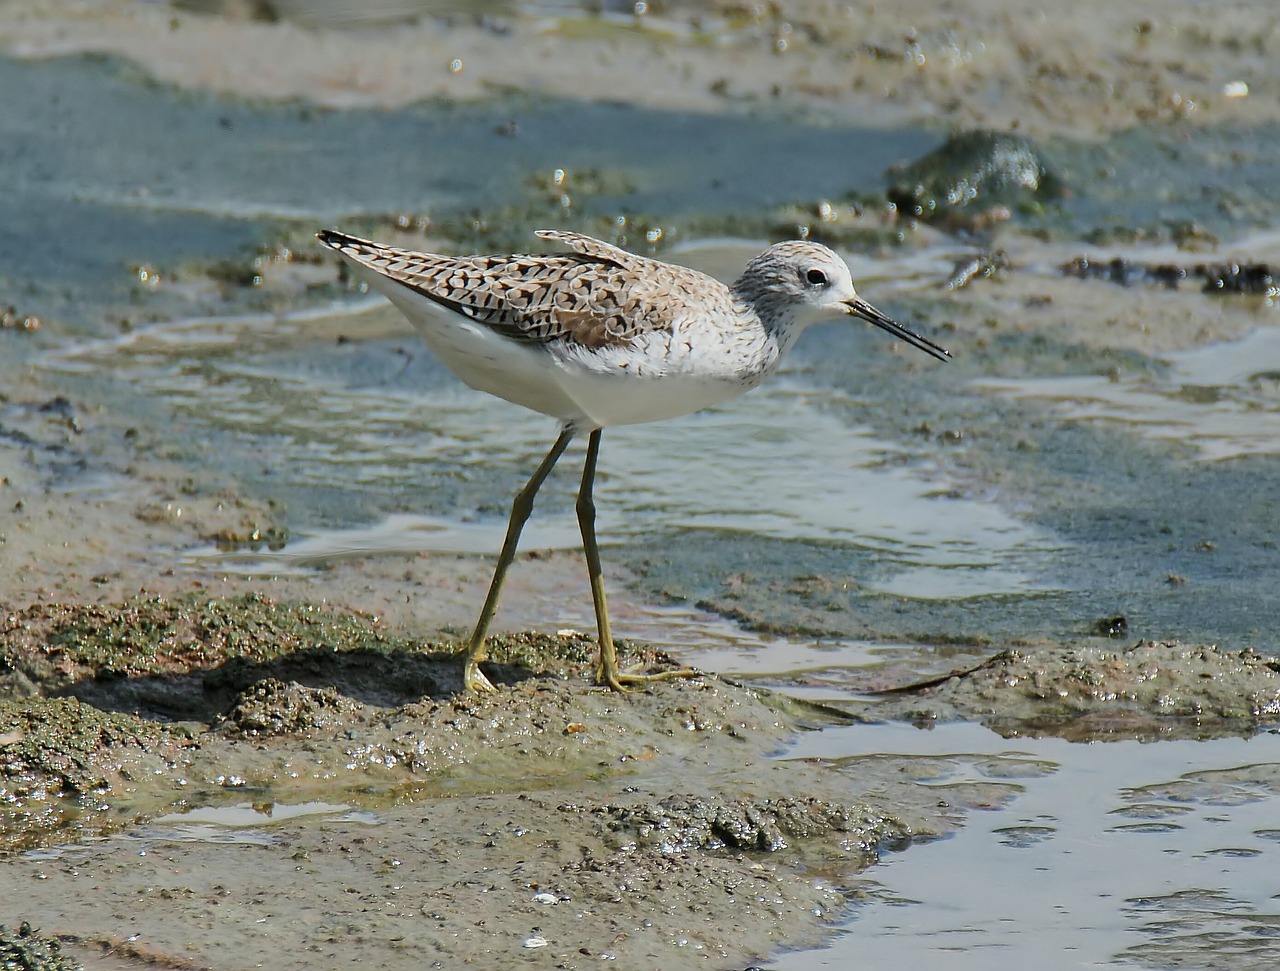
(981, 63)
(548, 810)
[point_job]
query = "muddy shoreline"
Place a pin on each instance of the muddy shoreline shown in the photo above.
(149, 746)
(652, 827)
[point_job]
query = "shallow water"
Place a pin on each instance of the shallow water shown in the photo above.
(777, 446)
(1220, 399)
(1121, 854)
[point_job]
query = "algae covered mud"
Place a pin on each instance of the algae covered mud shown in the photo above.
(243, 511)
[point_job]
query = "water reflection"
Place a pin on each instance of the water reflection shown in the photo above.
(1058, 873)
(1222, 399)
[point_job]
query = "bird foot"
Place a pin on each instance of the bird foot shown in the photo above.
(620, 680)
(473, 679)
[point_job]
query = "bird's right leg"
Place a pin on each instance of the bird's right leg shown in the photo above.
(472, 677)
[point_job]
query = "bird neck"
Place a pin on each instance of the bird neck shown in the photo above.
(775, 312)
(781, 320)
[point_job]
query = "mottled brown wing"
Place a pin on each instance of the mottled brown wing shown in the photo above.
(596, 299)
(554, 298)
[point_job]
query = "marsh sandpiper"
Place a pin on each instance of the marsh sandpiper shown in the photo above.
(598, 336)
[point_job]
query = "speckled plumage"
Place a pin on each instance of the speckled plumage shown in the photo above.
(599, 296)
(599, 336)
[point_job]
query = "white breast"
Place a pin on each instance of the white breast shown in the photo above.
(663, 375)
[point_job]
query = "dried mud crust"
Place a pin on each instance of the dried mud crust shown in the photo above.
(1149, 690)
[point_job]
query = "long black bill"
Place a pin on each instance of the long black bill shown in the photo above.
(860, 308)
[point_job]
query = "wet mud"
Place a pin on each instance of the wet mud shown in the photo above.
(594, 822)
(1258, 279)
(1146, 691)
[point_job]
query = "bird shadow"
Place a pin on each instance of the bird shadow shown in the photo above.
(385, 679)
(194, 660)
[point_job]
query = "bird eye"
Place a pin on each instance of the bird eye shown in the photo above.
(817, 278)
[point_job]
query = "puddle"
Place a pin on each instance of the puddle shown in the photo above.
(241, 823)
(1222, 399)
(244, 815)
(824, 482)
(1067, 869)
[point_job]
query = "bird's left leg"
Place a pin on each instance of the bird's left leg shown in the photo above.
(607, 672)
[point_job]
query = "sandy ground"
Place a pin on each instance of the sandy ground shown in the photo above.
(1048, 69)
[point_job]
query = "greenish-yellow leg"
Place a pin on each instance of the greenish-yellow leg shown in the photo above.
(607, 672)
(472, 677)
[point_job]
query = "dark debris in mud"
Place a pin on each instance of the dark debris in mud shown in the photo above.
(984, 266)
(26, 949)
(13, 319)
(1228, 278)
(272, 707)
(974, 177)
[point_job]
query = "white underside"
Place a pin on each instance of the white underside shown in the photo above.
(664, 378)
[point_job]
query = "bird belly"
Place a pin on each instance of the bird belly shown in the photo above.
(626, 384)
(661, 378)
(632, 400)
(523, 374)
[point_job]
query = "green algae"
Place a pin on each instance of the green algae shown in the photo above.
(271, 707)
(63, 747)
(64, 643)
(60, 756)
(26, 949)
(565, 654)
(49, 647)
